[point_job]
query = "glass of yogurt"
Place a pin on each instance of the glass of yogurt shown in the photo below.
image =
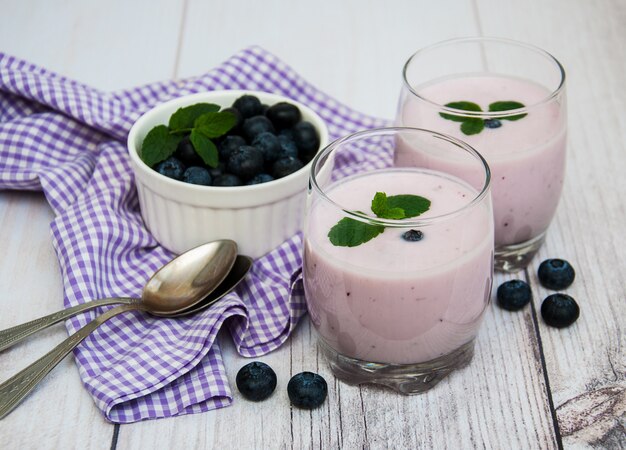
(398, 255)
(507, 100)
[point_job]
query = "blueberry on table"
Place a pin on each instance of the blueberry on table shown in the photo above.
(256, 381)
(307, 390)
(556, 274)
(287, 145)
(248, 106)
(171, 167)
(306, 138)
(197, 175)
(513, 295)
(246, 162)
(260, 178)
(269, 145)
(256, 125)
(283, 115)
(229, 145)
(227, 180)
(186, 154)
(285, 166)
(559, 310)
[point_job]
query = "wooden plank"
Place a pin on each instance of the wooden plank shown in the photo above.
(109, 45)
(586, 363)
(32, 287)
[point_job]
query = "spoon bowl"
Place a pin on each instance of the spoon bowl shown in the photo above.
(189, 278)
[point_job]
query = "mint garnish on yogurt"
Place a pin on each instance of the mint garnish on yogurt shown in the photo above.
(349, 232)
(474, 125)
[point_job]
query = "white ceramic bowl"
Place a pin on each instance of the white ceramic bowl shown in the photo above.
(182, 216)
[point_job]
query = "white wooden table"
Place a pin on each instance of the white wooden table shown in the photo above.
(529, 386)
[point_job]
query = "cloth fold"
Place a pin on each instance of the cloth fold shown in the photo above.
(67, 140)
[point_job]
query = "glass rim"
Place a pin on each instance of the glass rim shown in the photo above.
(486, 114)
(401, 223)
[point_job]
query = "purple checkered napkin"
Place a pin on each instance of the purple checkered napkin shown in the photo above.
(68, 140)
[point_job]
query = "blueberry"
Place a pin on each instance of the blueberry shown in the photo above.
(556, 274)
(307, 140)
(492, 123)
(283, 115)
(236, 129)
(559, 310)
(246, 162)
(260, 178)
(412, 235)
(287, 146)
(197, 175)
(513, 295)
(287, 132)
(285, 166)
(256, 125)
(171, 167)
(227, 179)
(264, 108)
(248, 106)
(229, 145)
(307, 390)
(217, 171)
(269, 145)
(256, 381)
(186, 154)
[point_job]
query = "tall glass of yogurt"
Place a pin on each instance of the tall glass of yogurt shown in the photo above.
(507, 100)
(398, 256)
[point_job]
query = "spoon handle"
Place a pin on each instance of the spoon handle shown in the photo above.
(12, 336)
(13, 390)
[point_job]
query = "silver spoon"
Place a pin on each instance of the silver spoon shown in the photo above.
(217, 256)
(201, 280)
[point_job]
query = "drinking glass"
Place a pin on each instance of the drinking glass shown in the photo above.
(398, 255)
(507, 100)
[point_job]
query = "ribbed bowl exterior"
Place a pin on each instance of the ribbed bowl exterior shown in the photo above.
(257, 230)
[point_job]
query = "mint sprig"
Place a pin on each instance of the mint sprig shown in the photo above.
(349, 232)
(158, 145)
(202, 122)
(473, 125)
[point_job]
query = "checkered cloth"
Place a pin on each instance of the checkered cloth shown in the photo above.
(68, 140)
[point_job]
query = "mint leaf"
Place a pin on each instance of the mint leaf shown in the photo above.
(464, 106)
(472, 126)
(350, 233)
(507, 106)
(383, 210)
(215, 124)
(204, 147)
(411, 205)
(184, 118)
(158, 145)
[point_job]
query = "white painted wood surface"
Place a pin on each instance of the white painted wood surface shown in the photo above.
(529, 386)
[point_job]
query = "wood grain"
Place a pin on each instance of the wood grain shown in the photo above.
(31, 287)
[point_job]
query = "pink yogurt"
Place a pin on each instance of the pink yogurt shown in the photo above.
(394, 301)
(526, 157)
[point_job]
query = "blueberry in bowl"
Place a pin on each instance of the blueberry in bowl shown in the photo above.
(237, 140)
